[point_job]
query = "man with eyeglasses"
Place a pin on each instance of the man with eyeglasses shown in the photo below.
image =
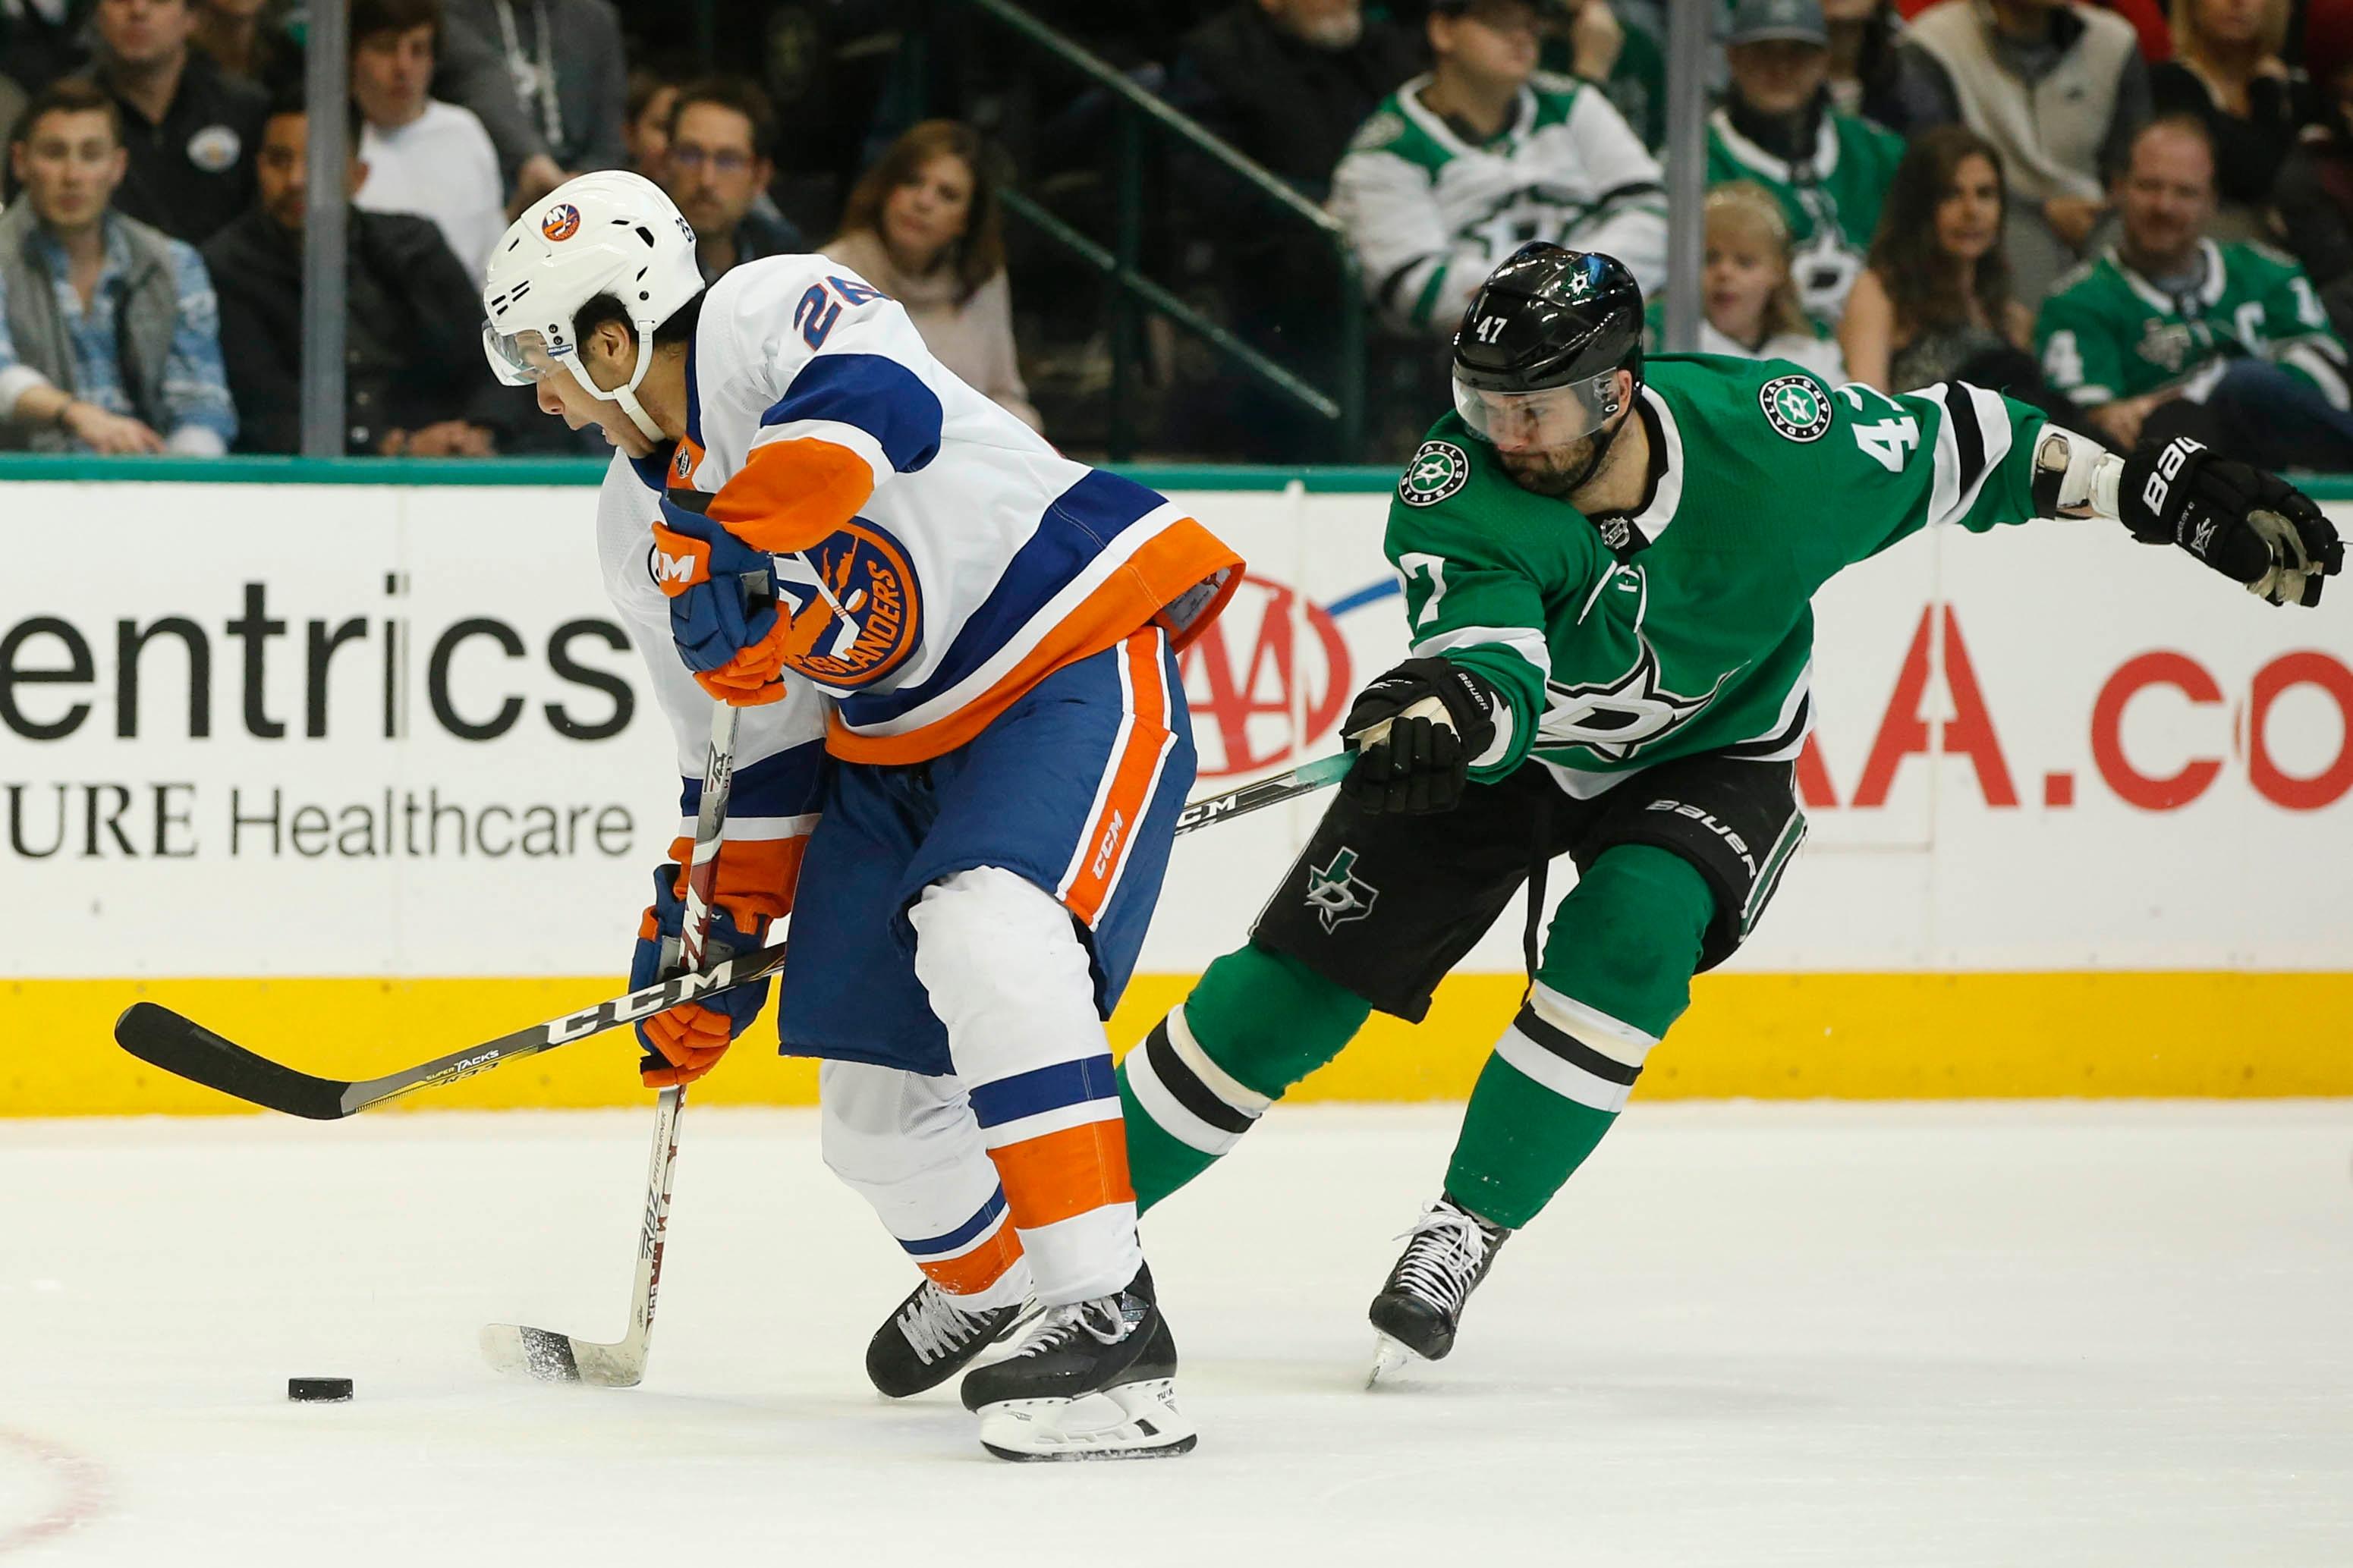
(717, 172)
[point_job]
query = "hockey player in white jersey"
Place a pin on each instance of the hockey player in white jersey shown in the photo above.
(994, 628)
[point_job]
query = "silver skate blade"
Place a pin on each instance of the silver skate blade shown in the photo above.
(519, 1352)
(1390, 1357)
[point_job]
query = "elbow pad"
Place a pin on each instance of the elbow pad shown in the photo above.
(2075, 476)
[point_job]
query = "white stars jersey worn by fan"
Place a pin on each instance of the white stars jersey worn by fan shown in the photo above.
(995, 627)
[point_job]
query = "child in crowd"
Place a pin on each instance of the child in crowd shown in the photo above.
(1749, 299)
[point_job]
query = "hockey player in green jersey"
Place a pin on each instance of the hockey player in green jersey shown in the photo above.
(2173, 331)
(1607, 569)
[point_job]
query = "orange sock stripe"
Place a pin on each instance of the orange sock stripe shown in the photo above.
(978, 1269)
(1133, 771)
(1059, 1175)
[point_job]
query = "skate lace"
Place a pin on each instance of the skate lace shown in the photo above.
(935, 1325)
(1443, 1260)
(1061, 1325)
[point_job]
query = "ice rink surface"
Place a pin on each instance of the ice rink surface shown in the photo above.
(2017, 1334)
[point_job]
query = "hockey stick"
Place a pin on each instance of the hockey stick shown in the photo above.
(543, 1353)
(180, 1046)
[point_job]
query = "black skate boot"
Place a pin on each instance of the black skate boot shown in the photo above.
(1418, 1311)
(931, 1338)
(1093, 1380)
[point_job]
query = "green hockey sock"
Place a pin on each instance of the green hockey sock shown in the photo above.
(1255, 1024)
(1616, 973)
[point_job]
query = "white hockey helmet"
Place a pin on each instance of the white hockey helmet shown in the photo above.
(607, 233)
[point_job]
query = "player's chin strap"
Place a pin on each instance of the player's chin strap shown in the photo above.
(2075, 476)
(626, 394)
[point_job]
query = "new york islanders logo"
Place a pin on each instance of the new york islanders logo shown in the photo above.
(856, 610)
(562, 222)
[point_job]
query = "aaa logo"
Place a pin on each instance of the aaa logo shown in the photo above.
(856, 609)
(1264, 679)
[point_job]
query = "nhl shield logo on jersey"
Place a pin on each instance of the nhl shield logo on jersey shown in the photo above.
(1796, 407)
(1335, 893)
(1437, 471)
(858, 614)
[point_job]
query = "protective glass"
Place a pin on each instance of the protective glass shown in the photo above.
(518, 359)
(1534, 420)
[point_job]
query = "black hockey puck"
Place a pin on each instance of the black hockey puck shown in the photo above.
(318, 1390)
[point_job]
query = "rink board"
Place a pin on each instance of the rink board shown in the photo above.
(2080, 816)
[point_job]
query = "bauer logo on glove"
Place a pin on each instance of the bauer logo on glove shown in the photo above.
(2252, 527)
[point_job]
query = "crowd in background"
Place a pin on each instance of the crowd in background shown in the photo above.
(2137, 216)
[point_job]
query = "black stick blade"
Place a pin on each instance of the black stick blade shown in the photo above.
(182, 1046)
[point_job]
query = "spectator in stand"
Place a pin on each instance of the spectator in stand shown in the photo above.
(2057, 88)
(189, 130)
(12, 103)
(109, 334)
(645, 130)
(1288, 81)
(717, 167)
(248, 41)
(2313, 198)
(423, 156)
(2171, 333)
(1588, 39)
(471, 72)
(922, 225)
(1457, 169)
(1751, 309)
(1863, 77)
(565, 61)
(1830, 171)
(413, 382)
(2226, 69)
(41, 40)
(1934, 304)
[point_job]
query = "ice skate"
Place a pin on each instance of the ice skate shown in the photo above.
(1416, 1314)
(1092, 1380)
(931, 1337)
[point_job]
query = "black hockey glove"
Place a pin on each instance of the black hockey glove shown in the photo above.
(1415, 731)
(2252, 527)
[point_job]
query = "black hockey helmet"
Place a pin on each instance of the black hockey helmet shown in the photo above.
(1548, 320)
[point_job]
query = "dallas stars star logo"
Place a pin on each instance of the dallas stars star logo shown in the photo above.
(1335, 894)
(1796, 407)
(1437, 471)
(1615, 718)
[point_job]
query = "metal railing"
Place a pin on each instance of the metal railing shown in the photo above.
(1134, 112)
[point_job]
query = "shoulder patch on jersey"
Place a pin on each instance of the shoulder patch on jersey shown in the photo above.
(1796, 407)
(1384, 127)
(1439, 469)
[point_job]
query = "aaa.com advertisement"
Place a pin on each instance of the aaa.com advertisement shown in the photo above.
(298, 730)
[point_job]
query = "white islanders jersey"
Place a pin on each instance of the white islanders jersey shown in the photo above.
(935, 557)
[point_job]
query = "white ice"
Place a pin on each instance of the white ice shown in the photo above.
(1896, 1336)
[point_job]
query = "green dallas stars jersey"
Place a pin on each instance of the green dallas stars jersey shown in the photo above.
(1430, 215)
(1831, 199)
(1620, 642)
(2107, 332)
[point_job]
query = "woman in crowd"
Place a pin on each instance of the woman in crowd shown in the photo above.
(1749, 300)
(1934, 304)
(2226, 68)
(922, 225)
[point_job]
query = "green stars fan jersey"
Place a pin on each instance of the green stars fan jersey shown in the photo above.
(1831, 199)
(1430, 215)
(1622, 642)
(2107, 332)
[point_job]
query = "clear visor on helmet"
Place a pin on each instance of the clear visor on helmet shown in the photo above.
(518, 359)
(1522, 421)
